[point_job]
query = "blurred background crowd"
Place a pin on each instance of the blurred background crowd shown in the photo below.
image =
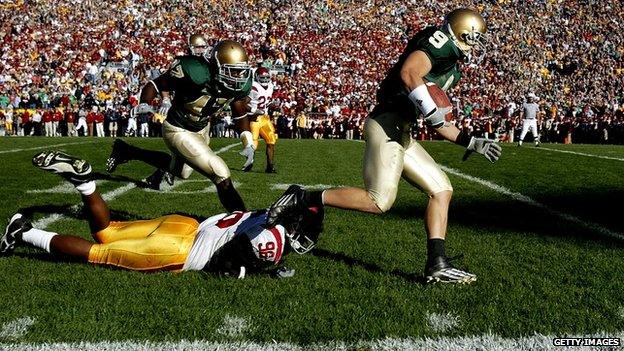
(74, 67)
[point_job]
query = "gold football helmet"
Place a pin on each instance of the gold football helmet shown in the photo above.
(467, 30)
(230, 60)
(197, 45)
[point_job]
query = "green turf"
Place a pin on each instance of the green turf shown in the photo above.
(536, 272)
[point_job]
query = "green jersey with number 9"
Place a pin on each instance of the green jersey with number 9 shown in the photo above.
(197, 93)
(443, 54)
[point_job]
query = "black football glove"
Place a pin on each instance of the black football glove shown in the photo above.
(287, 207)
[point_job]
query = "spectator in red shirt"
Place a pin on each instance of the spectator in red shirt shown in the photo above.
(47, 122)
(99, 122)
(57, 117)
(91, 120)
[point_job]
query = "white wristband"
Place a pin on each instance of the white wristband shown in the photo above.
(422, 99)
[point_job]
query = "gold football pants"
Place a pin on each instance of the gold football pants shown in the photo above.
(263, 128)
(149, 245)
(390, 154)
(191, 152)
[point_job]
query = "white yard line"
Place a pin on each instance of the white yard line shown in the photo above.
(63, 188)
(53, 146)
(16, 329)
(580, 153)
(527, 200)
(170, 189)
(488, 342)
(108, 196)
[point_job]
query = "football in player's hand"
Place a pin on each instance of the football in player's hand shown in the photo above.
(441, 99)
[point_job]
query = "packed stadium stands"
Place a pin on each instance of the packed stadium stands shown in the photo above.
(89, 58)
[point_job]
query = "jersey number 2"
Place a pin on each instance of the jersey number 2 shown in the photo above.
(261, 102)
(438, 39)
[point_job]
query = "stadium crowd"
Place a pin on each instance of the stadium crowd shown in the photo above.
(74, 67)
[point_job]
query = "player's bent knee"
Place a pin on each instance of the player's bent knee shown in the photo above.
(443, 196)
(224, 183)
(382, 201)
(442, 185)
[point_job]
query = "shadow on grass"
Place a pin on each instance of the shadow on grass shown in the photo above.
(115, 215)
(371, 267)
(121, 179)
(579, 216)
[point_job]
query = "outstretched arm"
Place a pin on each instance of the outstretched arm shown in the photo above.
(240, 111)
(163, 85)
(413, 72)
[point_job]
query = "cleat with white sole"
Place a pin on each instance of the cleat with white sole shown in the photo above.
(13, 234)
(441, 271)
(73, 169)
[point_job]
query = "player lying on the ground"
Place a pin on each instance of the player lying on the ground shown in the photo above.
(233, 244)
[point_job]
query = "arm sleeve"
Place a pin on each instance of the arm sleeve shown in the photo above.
(172, 79)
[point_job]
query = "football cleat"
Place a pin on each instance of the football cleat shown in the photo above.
(73, 169)
(270, 169)
(289, 204)
(13, 233)
(117, 156)
(248, 153)
(169, 178)
(441, 270)
(154, 180)
(247, 167)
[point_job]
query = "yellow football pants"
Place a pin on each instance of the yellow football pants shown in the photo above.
(263, 127)
(149, 245)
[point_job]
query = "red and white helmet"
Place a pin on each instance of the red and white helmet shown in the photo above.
(263, 76)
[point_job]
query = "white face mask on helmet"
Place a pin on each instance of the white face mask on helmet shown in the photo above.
(306, 230)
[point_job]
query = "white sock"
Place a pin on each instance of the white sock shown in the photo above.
(38, 238)
(246, 138)
(87, 188)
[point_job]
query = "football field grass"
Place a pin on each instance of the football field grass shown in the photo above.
(543, 230)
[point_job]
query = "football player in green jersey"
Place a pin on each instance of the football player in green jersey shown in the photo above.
(432, 55)
(197, 45)
(201, 87)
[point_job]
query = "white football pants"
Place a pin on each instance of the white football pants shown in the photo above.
(532, 124)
